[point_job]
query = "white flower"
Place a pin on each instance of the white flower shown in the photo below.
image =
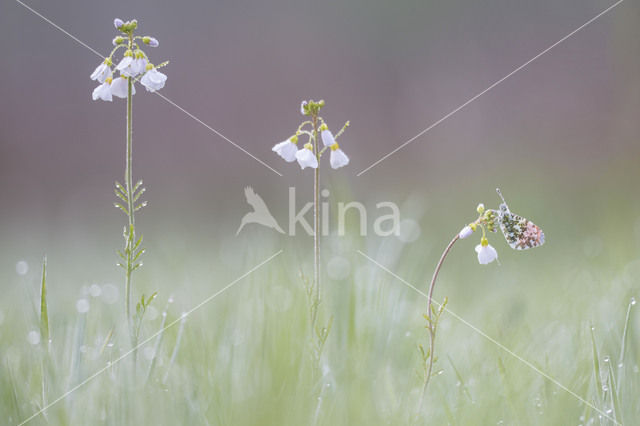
(327, 138)
(131, 66)
(103, 91)
(118, 23)
(287, 149)
(302, 105)
(139, 64)
(466, 232)
(153, 80)
(338, 157)
(486, 253)
(125, 65)
(119, 87)
(101, 73)
(306, 157)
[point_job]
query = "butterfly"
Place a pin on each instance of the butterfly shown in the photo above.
(520, 233)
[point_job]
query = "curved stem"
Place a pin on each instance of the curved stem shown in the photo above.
(432, 322)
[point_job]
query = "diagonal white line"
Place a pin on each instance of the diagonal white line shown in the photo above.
(218, 133)
(492, 86)
(148, 339)
(77, 40)
(492, 340)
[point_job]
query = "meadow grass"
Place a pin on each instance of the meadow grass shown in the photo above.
(247, 356)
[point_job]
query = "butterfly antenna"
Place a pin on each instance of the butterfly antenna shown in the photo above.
(500, 195)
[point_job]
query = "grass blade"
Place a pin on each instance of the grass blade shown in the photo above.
(596, 363)
(44, 315)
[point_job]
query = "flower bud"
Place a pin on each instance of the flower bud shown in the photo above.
(466, 232)
(118, 23)
(150, 41)
(480, 208)
(118, 40)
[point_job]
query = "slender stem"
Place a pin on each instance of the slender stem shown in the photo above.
(128, 177)
(431, 326)
(316, 216)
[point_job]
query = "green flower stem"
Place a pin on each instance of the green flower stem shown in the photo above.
(316, 218)
(432, 322)
(128, 177)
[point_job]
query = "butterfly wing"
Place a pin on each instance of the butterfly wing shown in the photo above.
(520, 233)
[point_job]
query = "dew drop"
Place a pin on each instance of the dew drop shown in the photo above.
(606, 359)
(633, 300)
(620, 365)
(95, 290)
(33, 337)
(609, 411)
(82, 306)
(22, 267)
(605, 388)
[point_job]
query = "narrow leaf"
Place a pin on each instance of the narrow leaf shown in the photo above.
(44, 316)
(121, 207)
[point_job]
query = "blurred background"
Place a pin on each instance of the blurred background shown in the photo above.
(560, 137)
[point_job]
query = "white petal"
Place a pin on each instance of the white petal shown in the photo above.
(139, 65)
(153, 80)
(486, 254)
(306, 158)
(119, 87)
(466, 232)
(101, 73)
(287, 150)
(327, 138)
(102, 92)
(124, 63)
(338, 158)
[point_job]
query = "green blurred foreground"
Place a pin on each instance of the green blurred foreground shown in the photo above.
(246, 357)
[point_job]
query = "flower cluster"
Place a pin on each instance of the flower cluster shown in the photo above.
(310, 153)
(486, 221)
(134, 65)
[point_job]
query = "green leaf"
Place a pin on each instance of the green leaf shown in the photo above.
(121, 188)
(121, 207)
(135, 246)
(596, 363)
(44, 316)
(138, 194)
(120, 195)
(138, 254)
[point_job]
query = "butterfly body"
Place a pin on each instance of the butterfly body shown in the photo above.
(520, 233)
